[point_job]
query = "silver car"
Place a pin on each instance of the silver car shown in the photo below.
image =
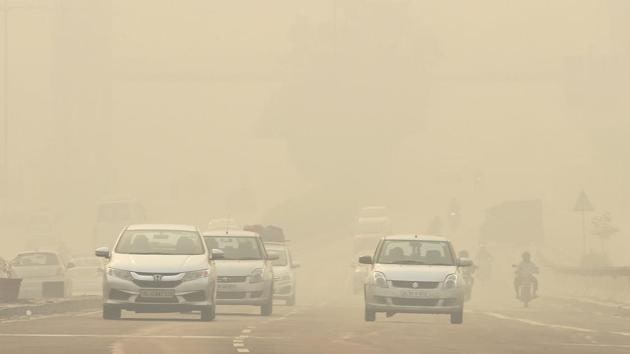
(159, 268)
(245, 274)
(414, 274)
(283, 275)
(43, 274)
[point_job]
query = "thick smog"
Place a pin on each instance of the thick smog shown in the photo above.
(334, 176)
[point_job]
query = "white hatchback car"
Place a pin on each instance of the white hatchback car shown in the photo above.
(414, 274)
(283, 275)
(159, 269)
(245, 274)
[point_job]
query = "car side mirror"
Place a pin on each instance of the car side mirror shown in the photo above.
(217, 254)
(70, 265)
(464, 262)
(102, 252)
(273, 257)
(366, 260)
(295, 265)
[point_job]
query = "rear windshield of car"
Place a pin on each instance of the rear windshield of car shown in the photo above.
(415, 252)
(167, 242)
(236, 248)
(36, 259)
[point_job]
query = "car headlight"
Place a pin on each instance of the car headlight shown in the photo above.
(380, 280)
(197, 274)
(119, 273)
(450, 281)
(256, 276)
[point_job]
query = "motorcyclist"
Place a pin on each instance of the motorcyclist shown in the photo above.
(467, 274)
(525, 271)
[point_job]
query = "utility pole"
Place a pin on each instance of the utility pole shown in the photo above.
(4, 179)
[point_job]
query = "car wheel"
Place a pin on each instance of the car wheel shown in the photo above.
(457, 317)
(267, 309)
(208, 313)
(111, 312)
(370, 315)
(291, 300)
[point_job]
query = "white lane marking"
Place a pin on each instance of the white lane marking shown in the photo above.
(242, 350)
(627, 334)
(88, 314)
(237, 341)
(592, 345)
(539, 324)
(246, 330)
(238, 345)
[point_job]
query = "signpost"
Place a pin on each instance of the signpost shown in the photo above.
(583, 205)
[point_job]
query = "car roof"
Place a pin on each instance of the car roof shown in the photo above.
(37, 252)
(230, 233)
(160, 227)
(415, 237)
(276, 245)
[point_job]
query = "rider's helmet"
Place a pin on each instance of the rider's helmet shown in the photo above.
(463, 254)
(526, 256)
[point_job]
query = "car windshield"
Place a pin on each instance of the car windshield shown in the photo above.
(236, 248)
(169, 242)
(282, 257)
(415, 252)
(36, 259)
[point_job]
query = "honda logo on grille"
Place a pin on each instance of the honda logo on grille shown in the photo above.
(414, 285)
(157, 277)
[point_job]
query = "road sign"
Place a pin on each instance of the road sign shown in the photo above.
(583, 203)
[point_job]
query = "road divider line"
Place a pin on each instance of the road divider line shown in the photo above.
(539, 324)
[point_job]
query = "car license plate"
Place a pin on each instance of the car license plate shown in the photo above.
(227, 286)
(157, 293)
(416, 293)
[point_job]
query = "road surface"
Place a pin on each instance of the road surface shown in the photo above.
(332, 325)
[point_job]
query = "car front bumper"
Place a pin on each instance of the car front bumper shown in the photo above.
(187, 296)
(403, 300)
(244, 293)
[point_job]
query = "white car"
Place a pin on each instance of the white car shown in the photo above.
(283, 276)
(245, 274)
(86, 274)
(414, 274)
(43, 274)
(159, 269)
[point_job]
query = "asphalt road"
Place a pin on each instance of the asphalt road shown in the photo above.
(332, 325)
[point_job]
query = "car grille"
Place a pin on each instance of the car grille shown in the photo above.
(166, 300)
(231, 279)
(399, 301)
(231, 295)
(419, 284)
(157, 284)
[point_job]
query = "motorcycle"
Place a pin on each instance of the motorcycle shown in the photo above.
(525, 289)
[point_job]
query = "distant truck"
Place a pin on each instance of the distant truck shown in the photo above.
(269, 233)
(112, 216)
(516, 223)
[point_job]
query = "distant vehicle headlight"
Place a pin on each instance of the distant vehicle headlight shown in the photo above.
(450, 281)
(380, 280)
(120, 274)
(256, 276)
(197, 274)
